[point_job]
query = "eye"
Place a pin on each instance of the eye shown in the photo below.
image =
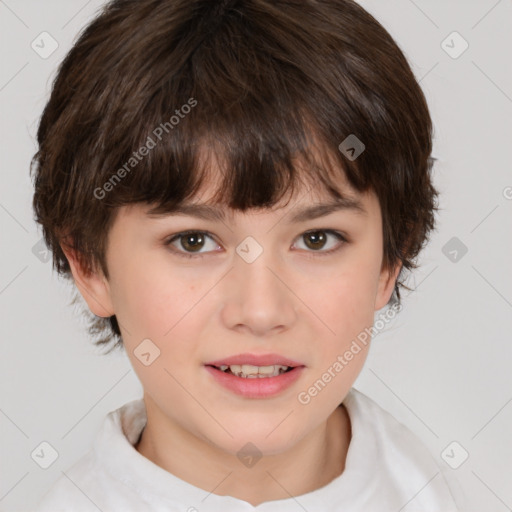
(190, 243)
(317, 241)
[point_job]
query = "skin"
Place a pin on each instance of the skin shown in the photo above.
(292, 300)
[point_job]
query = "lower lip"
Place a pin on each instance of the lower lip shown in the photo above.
(256, 388)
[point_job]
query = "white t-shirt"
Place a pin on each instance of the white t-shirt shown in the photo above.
(387, 469)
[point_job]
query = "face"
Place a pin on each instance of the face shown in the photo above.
(277, 289)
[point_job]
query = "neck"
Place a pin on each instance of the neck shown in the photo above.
(320, 456)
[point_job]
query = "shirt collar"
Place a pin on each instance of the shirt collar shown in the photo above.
(114, 450)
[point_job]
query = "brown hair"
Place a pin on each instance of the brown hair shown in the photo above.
(255, 81)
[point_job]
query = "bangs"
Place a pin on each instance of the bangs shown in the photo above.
(260, 157)
(236, 171)
(241, 94)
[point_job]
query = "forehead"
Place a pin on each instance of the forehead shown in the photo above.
(309, 198)
(305, 205)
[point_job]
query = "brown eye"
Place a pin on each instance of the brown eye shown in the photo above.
(315, 239)
(192, 241)
(318, 241)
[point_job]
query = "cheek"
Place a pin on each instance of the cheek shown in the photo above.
(347, 301)
(152, 301)
(346, 307)
(155, 306)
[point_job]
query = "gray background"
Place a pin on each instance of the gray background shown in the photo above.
(442, 367)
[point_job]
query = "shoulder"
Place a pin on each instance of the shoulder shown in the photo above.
(402, 461)
(67, 491)
(98, 480)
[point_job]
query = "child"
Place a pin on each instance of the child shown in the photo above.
(236, 187)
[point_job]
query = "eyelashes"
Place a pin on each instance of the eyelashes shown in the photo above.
(194, 237)
(197, 235)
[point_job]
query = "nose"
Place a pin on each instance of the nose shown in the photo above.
(258, 298)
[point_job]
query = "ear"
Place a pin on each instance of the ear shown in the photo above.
(386, 285)
(92, 285)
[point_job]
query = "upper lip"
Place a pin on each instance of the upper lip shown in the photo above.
(255, 360)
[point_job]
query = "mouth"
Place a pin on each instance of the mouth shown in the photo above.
(255, 366)
(249, 371)
(255, 376)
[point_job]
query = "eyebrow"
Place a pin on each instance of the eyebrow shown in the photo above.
(213, 213)
(320, 210)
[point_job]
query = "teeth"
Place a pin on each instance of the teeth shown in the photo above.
(248, 371)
